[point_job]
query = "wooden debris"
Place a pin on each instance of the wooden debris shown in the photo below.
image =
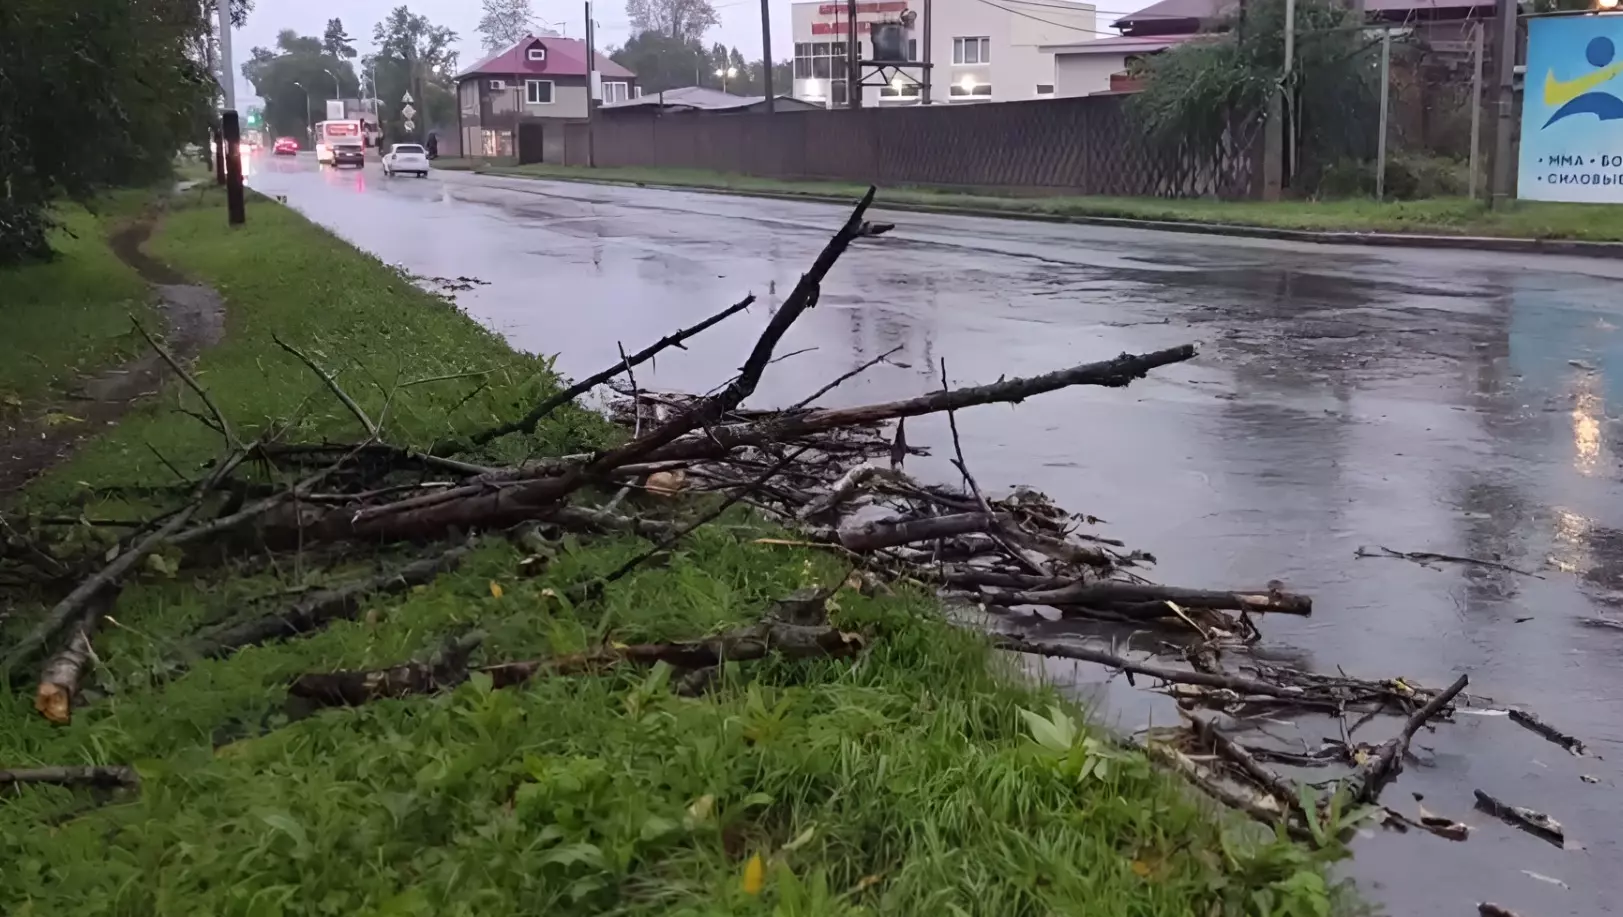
(105, 777)
(1531, 721)
(1529, 820)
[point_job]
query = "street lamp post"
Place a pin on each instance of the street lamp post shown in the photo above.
(337, 88)
(308, 137)
(726, 73)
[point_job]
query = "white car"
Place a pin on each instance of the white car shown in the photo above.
(406, 157)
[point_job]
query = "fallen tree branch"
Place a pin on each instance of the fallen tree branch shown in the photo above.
(1366, 783)
(59, 679)
(1536, 823)
(874, 536)
(107, 776)
(321, 608)
(1528, 720)
(842, 380)
(1425, 556)
(1021, 644)
(353, 688)
(1108, 593)
(110, 575)
(527, 423)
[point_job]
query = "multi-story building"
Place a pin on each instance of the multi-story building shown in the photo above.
(535, 86)
(979, 50)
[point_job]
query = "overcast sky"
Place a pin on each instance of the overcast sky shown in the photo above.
(740, 23)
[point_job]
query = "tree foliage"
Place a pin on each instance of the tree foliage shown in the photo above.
(662, 62)
(414, 55)
(504, 22)
(684, 20)
(93, 93)
(1198, 94)
(336, 42)
(297, 78)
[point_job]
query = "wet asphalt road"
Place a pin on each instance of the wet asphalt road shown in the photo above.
(1462, 403)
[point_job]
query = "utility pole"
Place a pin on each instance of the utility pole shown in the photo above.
(591, 87)
(853, 67)
(1504, 54)
(766, 55)
(1476, 106)
(230, 129)
(928, 21)
(1289, 107)
(1386, 91)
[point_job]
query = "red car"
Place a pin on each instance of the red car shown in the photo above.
(286, 146)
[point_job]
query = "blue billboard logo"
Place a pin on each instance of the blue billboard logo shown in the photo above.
(1578, 96)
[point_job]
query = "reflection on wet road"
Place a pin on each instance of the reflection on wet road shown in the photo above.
(1460, 403)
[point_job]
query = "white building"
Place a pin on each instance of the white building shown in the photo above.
(980, 50)
(1091, 67)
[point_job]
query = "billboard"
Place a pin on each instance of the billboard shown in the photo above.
(1572, 110)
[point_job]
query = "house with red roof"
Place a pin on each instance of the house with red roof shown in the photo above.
(527, 92)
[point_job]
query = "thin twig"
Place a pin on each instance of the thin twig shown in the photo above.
(636, 404)
(219, 417)
(809, 399)
(371, 428)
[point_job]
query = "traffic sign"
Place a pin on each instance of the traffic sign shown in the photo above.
(407, 98)
(409, 111)
(409, 125)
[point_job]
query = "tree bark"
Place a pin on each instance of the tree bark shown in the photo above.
(877, 535)
(353, 688)
(111, 776)
(321, 608)
(59, 679)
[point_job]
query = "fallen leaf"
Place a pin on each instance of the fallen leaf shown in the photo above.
(58, 419)
(495, 589)
(754, 875)
(803, 838)
(1141, 869)
(868, 881)
(11, 400)
(700, 809)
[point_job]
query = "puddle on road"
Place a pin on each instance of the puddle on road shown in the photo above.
(1450, 402)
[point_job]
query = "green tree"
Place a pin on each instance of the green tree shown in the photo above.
(504, 22)
(662, 62)
(414, 55)
(1205, 97)
(93, 93)
(683, 20)
(296, 80)
(336, 42)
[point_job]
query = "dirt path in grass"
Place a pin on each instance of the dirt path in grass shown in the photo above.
(49, 433)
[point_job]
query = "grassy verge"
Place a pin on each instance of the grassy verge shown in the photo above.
(1443, 216)
(70, 316)
(907, 782)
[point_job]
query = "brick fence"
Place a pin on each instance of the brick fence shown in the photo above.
(1080, 145)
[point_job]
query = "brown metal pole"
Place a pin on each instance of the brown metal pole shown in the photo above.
(236, 214)
(1504, 52)
(591, 89)
(853, 69)
(766, 55)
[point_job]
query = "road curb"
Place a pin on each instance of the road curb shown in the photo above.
(1507, 244)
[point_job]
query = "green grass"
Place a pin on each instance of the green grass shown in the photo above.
(906, 782)
(68, 317)
(1444, 216)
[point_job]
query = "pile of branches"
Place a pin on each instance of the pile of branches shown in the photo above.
(834, 479)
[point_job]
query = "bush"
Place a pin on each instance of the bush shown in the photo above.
(1409, 176)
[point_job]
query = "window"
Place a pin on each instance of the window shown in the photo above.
(900, 91)
(972, 50)
(1045, 89)
(825, 64)
(912, 49)
(539, 52)
(969, 89)
(497, 85)
(538, 92)
(616, 91)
